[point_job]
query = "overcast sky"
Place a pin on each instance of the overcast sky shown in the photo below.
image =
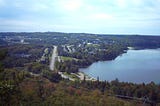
(89, 16)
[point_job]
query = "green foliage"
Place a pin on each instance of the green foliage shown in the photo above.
(52, 76)
(46, 88)
(19, 55)
(3, 53)
(39, 91)
(67, 66)
(36, 67)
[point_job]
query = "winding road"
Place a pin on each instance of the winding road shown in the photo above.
(53, 59)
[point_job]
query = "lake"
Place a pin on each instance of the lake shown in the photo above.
(135, 66)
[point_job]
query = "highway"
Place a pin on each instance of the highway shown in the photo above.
(53, 58)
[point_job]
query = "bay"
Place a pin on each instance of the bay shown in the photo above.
(136, 66)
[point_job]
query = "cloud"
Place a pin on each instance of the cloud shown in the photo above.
(16, 25)
(30, 6)
(121, 3)
(20, 23)
(79, 15)
(69, 5)
(136, 2)
(38, 7)
(29, 25)
(101, 16)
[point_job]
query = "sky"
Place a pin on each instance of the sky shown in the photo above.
(81, 16)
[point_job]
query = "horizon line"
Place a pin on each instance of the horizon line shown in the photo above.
(123, 34)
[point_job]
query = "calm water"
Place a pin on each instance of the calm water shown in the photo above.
(135, 66)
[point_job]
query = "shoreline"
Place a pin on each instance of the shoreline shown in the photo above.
(81, 74)
(94, 73)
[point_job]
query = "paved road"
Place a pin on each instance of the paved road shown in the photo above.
(53, 59)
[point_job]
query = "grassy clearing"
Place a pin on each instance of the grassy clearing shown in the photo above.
(71, 76)
(64, 58)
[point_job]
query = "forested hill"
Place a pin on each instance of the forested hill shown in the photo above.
(58, 38)
(19, 87)
(26, 80)
(77, 49)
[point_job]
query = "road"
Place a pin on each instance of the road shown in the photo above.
(65, 76)
(53, 59)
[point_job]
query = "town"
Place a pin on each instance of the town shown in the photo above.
(51, 61)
